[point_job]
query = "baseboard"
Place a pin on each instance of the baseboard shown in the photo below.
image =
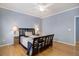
(6, 44)
(77, 42)
(54, 40)
(64, 43)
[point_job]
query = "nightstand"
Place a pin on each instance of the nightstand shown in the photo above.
(16, 40)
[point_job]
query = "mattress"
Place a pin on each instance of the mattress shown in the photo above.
(24, 41)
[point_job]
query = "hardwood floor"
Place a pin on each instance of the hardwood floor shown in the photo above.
(58, 49)
(13, 50)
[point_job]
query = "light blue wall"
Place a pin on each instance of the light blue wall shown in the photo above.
(59, 25)
(77, 29)
(9, 18)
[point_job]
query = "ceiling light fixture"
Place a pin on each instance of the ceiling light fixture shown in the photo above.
(42, 8)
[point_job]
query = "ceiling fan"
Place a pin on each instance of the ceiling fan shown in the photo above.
(43, 6)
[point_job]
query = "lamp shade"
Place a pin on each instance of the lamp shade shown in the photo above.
(36, 26)
(15, 28)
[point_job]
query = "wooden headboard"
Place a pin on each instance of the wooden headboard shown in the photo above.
(23, 30)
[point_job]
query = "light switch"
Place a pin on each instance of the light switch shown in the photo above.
(69, 29)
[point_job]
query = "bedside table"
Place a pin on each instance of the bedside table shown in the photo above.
(16, 40)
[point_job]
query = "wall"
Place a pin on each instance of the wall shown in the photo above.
(9, 18)
(77, 29)
(62, 25)
(58, 24)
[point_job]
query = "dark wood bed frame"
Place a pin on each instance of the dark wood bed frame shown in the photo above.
(39, 43)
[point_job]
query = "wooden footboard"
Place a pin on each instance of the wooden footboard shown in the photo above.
(40, 44)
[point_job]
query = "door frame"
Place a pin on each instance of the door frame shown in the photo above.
(75, 29)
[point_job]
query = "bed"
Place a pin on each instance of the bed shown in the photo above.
(32, 43)
(24, 38)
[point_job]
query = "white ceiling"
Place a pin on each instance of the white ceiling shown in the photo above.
(33, 8)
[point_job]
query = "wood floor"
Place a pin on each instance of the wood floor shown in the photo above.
(58, 49)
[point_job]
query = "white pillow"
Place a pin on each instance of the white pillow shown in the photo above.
(28, 33)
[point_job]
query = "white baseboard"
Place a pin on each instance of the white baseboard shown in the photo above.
(6, 44)
(77, 41)
(64, 42)
(54, 40)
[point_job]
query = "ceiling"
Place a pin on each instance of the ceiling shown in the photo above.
(33, 8)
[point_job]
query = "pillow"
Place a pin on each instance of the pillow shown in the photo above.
(28, 33)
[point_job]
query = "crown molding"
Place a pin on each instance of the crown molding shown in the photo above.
(20, 12)
(61, 12)
(39, 16)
